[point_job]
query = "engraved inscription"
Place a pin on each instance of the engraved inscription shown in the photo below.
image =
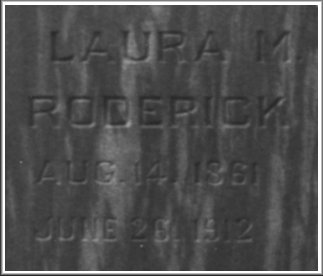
(57, 53)
(209, 47)
(76, 172)
(158, 112)
(163, 46)
(107, 229)
(80, 112)
(170, 42)
(172, 46)
(269, 48)
(212, 173)
(43, 108)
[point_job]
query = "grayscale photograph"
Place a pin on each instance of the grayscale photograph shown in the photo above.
(170, 137)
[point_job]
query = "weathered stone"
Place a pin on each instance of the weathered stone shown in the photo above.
(161, 137)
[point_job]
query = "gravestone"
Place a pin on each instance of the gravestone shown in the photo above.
(161, 138)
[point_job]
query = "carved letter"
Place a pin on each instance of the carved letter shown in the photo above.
(47, 173)
(175, 46)
(209, 48)
(235, 116)
(54, 54)
(92, 48)
(131, 44)
(43, 106)
(265, 48)
(264, 112)
(182, 107)
(116, 111)
(80, 111)
(150, 111)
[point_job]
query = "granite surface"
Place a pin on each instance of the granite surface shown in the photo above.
(161, 138)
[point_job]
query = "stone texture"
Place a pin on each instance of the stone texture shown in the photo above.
(173, 137)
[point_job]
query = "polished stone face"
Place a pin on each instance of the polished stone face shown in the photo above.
(161, 138)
